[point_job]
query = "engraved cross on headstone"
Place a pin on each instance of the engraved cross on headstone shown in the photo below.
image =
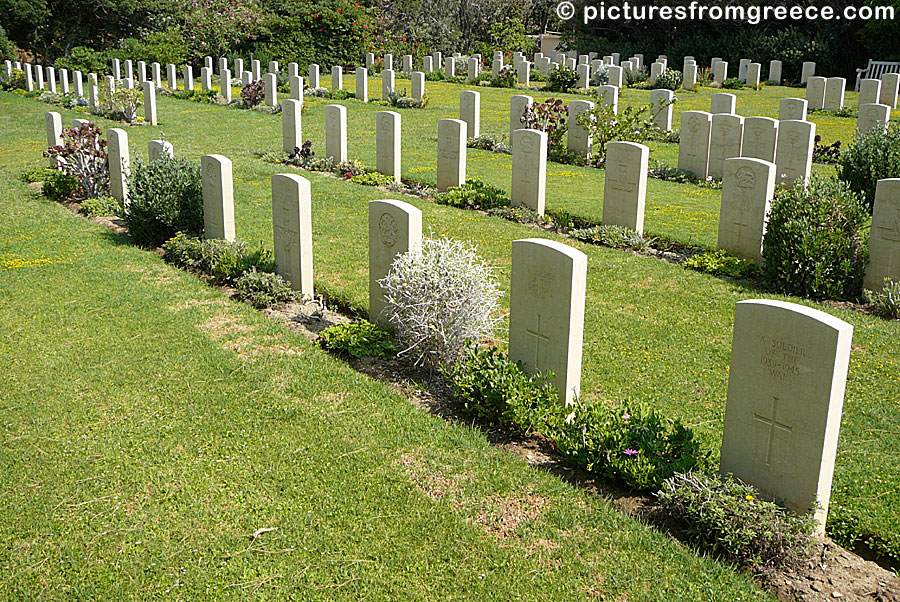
(773, 425)
(538, 337)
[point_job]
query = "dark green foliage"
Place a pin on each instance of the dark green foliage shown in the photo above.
(102, 206)
(86, 60)
(474, 194)
(617, 237)
(358, 339)
(661, 171)
(263, 289)
(498, 390)
(629, 443)
(164, 197)
(38, 174)
(669, 79)
(732, 83)
(550, 117)
(223, 261)
(561, 80)
(7, 48)
(720, 263)
(873, 156)
(494, 144)
(434, 76)
(816, 244)
(730, 517)
(506, 79)
(58, 186)
(372, 179)
(520, 214)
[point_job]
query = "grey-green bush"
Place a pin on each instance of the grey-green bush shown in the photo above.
(165, 197)
(872, 156)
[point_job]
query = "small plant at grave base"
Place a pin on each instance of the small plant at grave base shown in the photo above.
(358, 339)
(550, 117)
(497, 389)
(474, 194)
(263, 289)
(506, 78)
(816, 245)
(120, 105)
(253, 94)
(439, 298)
(536, 76)
(434, 76)
(731, 518)
(630, 443)
(669, 79)
(616, 237)
(224, 261)
(519, 215)
(59, 186)
(600, 77)
(732, 83)
(631, 124)
(635, 77)
(845, 111)
(165, 197)
(720, 263)
(83, 156)
(494, 144)
(399, 99)
(886, 302)
(660, 171)
(826, 153)
(561, 80)
(100, 207)
(38, 174)
(301, 154)
(873, 156)
(372, 179)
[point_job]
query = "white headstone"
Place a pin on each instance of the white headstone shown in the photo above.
(387, 144)
(872, 116)
(156, 149)
(890, 89)
(625, 185)
(417, 85)
(720, 72)
(807, 71)
(517, 106)
(884, 241)
(239, 67)
(662, 101)
(546, 319)
(225, 84)
(291, 125)
(608, 96)
(119, 163)
(470, 112)
(723, 103)
(78, 84)
(792, 108)
(149, 102)
(142, 71)
(388, 62)
(693, 145)
(51, 79)
(786, 388)
(117, 68)
(523, 73)
(395, 228)
(579, 138)
(869, 91)
(172, 77)
(188, 76)
(451, 163)
(472, 69)
(156, 72)
(760, 137)
(296, 87)
(726, 135)
(743, 66)
(292, 230)
(271, 88)
(218, 196)
(387, 83)
(747, 189)
(362, 84)
(754, 73)
(427, 64)
(449, 67)
(256, 69)
(336, 132)
(793, 153)
(529, 169)
(834, 93)
(689, 78)
(337, 78)
(206, 79)
(815, 93)
(273, 66)
(615, 77)
(54, 132)
(775, 72)
(313, 76)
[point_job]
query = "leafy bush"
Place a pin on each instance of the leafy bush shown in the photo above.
(224, 261)
(86, 60)
(720, 263)
(434, 76)
(561, 80)
(829, 154)
(600, 77)
(399, 99)
(886, 302)
(873, 156)
(550, 117)
(732, 83)
(731, 518)
(617, 237)
(631, 124)
(357, 339)
(7, 48)
(97, 207)
(439, 298)
(669, 79)
(497, 389)
(519, 215)
(38, 174)
(83, 156)
(474, 194)
(507, 78)
(121, 105)
(253, 93)
(630, 443)
(372, 179)
(661, 171)
(634, 77)
(263, 289)
(494, 144)
(816, 245)
(16, 81)
(59, 186)
(164, 197)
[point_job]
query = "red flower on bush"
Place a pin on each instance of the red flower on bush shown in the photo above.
(339, 11)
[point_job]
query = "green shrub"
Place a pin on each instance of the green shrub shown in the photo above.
(631, 124)
(732, 83)
(669, 79)
(561, 80)
(372, 178)
(629, 443)
(58, 186)
(661, 171)
(102, 206)
(474, 194)
(263, 289)
(434, 76)
(496, 389)
(873, 156)
(38, 174)
(86, 60)
(16, 81)
(816, 245)
(164, 197)
(494, 144)
(617, 237)
(358, 339)
(886, 302)
(223, 261)
(731, 518)
(507, 78)
(720, 263)
(519, 215)
(7, 48)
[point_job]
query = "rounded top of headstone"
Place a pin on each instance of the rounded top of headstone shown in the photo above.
(401, 205)
(552, 245)
(798, 310)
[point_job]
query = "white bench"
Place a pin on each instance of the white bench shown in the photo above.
(875, 70)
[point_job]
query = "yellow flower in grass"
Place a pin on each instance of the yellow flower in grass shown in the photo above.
(749, 498)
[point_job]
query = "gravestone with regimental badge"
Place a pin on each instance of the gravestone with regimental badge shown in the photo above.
(760, 137)
(529, 169)
(793, 152)
(834, 93)
(579, 137)
(747, 190)
(395, 228)
(470, 112)
(872, 116)
(662, 102)
(387, 84)
(693, 143)
(725, 137)
(722, 102)
(119, 163)
(336, 133)
(546, 305)
(625, 185)
(387, 143)
(451, 163)
(292, 231)
(792, 108)
(517, 106)
(218, 196)
(157, 149)
(362, 84)
(815, 93)
(291, 125)
(786, 389)
(884, 241)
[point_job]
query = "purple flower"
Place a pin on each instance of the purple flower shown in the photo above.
(630, 452)
(626, 416)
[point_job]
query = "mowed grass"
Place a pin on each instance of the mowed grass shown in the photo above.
(653, 332)
(160, 442)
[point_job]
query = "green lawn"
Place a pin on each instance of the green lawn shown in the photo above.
(654, 332)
